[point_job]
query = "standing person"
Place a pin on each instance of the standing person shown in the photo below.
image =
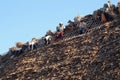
(107, 12)
(109, 4)
(15, 52)
(107, 7)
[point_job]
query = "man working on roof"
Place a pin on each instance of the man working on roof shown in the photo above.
(47, 39)
(107, 7)
(60, 30)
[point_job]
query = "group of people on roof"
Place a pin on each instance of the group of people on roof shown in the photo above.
(80, 23)
(60, 30)
(22, 48)
(110, 11)
(36, 43)
(105, 14)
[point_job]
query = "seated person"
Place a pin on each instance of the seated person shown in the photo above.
(60, 30)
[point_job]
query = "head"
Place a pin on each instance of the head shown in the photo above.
(69, 21)
(108, 1)
(27, 43)
(60, 23)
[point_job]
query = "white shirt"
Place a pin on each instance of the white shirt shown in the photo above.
(31, 43)
(109, 4)
(47, 37)
(61, 28)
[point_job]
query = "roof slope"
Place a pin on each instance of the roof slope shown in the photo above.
(91, 56)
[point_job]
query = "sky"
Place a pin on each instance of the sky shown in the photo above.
(22, 20)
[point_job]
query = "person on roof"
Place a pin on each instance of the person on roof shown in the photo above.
(109, 4)
(108, 13)
(18, 51)
(71, 23)
(118, 6)
(15, 51)
(60, 30)
(47, 39)
(107, 7)
(34, 44)
(61, 27)
(82, 27)
(12, 51)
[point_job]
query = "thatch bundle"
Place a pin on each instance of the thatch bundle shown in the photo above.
(77, 19)
(19, 44)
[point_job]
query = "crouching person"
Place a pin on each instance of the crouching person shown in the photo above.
(60, 30)
(25, 47)
(12, 52)
(19, 46)
(47, 39)
(18, 51)
(15, 52)
(33, 44)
